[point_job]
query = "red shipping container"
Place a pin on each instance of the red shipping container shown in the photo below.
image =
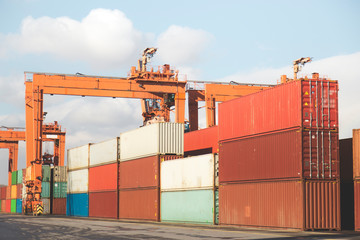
(59, 206)
(142, 172)
(1, 193)
(8, 192)
(103, 178)
(104, 204)
(280, 155)
(356, 153)
(357, 204)
(292, 204)
(201, 141)
(8, 205)
(140, 204)
(285, 106)
(3, 205)
(19, 189)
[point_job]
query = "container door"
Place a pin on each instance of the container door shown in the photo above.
(322, 205)
(216, 208)
(320, 104)
(320, 154)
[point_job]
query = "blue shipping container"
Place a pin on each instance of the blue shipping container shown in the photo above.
(19, 205)
(77, 204)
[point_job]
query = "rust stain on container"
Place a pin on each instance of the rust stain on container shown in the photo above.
(292, 204)
(103, 178)
(59, 206)
(356, 153)
(201, 141)
(280, 155)
(303, 103)
(140, 204)
(103, 204)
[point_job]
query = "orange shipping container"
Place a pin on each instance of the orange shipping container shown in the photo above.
(142, 172)
(103, 178)
(356, 153)
(3, 205)
(139, 204)
(305, 205)
(13, 192)
(8, 205)
(357, 204)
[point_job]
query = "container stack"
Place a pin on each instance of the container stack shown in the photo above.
(103, 179)
(201, 142)
(8, 199)
(279, 160)
(19, 189)
(13, 190)
(77, 203)
(189, 190)
(356, 176)
(45, 188)
(59, 190)
(141, 151)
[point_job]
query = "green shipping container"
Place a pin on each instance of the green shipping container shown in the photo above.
(19, 178)
(14, 178)
(59, 189)
(13, 205)
(46, 173)
(45, 189)
(192, 206)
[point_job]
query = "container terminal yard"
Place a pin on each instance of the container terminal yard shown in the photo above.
(269, 164)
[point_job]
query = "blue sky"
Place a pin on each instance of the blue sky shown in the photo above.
(243, 41)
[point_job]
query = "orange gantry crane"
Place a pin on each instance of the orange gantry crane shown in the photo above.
(162, 85)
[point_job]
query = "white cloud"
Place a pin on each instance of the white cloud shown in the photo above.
(182, 45)
(342, 68)
(104, 38)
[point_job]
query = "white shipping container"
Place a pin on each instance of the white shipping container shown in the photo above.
(104, 152)
(46, 205)
(78, 157)
(188, 173)
(78, 181)
(154, 139)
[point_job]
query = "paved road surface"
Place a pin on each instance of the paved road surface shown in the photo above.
(52, 227)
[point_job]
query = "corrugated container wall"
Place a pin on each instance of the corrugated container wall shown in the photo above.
(18, 205)
(78, 181)
(14, 178)
(188, 173)
(19, 189)
(59, 206)
(78, 158)
(13, 205)
(60, 174)
(104, 153)
(3, 205)
(8, 206)
(154, 139)
(19, 178)
(139, 204)
(357, 204)
(280, 155)
(302, 103)
(8, 192)
(308, 205)
(194, 206)
(46, 173)
(3, 193)
(59, 189)
(46, 204)
(103, 178)
(13, 191)
(45, 189)
(201, 141)
(77, 205)
(103, 204)
(356, 153)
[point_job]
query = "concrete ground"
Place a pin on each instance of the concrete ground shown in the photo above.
(58, 227)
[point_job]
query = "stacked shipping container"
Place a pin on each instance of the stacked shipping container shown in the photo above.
(103, 179)
(59, 189)
(189, 190)
(78, 182)
(141, 151)
(3, 199)
(356, 176)
(279, 151)
(201, 142)
(46, 189)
